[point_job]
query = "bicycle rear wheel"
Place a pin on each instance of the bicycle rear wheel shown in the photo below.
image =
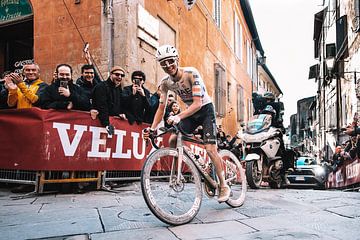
(173, 202)
(235, 178)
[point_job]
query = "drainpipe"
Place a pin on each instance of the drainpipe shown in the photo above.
(110, 23)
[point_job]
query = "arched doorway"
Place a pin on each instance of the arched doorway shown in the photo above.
(17, 34)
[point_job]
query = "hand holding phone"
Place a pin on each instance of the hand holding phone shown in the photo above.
(64, 84)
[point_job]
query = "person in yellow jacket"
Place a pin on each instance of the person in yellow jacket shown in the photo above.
(25, 92)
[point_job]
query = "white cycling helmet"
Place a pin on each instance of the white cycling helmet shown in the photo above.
(166, 51)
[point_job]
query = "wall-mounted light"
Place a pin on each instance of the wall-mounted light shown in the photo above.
(330, 56)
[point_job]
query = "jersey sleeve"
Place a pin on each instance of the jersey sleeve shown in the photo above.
(197, 88)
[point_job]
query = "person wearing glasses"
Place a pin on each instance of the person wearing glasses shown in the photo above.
(107, 98)
(187, 83)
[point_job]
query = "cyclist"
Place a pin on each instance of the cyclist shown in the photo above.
(188, 84)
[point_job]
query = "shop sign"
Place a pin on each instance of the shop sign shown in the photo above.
(14, 9)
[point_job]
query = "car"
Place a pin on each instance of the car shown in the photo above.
(307, 173)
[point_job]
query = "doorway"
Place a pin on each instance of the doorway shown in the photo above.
(16, 44)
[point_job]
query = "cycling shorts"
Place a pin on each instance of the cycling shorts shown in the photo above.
(204, 117)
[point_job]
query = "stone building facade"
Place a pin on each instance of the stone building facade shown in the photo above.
(217, 37)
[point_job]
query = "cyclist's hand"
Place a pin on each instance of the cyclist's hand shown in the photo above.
(147, 132)
(173, 119)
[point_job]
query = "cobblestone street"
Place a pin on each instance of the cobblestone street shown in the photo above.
(266, 214)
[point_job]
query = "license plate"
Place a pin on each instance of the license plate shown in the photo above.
(300, 178)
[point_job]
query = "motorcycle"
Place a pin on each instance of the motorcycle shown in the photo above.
(263, 147)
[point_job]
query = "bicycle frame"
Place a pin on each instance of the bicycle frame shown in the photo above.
(181, 149)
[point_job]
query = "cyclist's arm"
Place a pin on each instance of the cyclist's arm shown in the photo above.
(160, 111)
(193, 108)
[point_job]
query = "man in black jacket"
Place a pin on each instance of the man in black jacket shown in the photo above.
(63, 93)
(88, 80)
(107, 98)
(137, 99)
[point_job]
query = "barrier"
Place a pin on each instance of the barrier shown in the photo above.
(345, 176)
(37, 146)
(40, 146)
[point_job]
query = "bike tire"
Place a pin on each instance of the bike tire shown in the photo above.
(235, 177)
(177, 204)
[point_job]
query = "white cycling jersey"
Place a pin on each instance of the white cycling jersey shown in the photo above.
(185, 89)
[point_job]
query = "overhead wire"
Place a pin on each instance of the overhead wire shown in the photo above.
(82, 38)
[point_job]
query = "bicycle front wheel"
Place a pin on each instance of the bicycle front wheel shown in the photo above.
(173, 200)
(235, 178)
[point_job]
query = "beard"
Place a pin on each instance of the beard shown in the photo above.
(65, 79)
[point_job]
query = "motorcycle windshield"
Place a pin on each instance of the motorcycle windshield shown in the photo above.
(258, 123)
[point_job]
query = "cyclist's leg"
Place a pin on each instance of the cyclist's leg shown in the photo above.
(172, 140)
(209, 129)
(211, 150)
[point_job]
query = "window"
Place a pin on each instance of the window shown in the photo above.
(249, 58)
(228, 91)
(217, 12)
(220, 90)
(240, 104)
(238, 39)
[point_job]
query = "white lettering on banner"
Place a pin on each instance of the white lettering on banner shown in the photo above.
(352, 170)
(119, 146)
(96, 141)
(98, 145)
(69, 148)
(135, 137)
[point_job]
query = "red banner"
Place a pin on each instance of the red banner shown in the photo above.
(347, 174)
(37, 139)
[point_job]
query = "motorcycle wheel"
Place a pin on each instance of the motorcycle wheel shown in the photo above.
(253, 175)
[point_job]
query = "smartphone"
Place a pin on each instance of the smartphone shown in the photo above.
(137, 81)
(64, 84)
(86, 47)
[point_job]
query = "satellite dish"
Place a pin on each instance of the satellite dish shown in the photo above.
(189, 4)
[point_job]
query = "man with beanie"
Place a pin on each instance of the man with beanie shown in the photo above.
(137, 98)
(107, 98)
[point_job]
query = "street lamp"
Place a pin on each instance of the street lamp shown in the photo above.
(330, 64)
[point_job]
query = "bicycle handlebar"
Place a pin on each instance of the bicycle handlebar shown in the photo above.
(164, 130)
(176, 129)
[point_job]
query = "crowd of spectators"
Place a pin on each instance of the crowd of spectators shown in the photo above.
(87, 92)
(350, 149)
(102, 99)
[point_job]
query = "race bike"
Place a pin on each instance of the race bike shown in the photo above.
(172, 179)
(262, 148)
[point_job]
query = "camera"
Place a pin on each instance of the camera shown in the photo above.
(64, 84)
